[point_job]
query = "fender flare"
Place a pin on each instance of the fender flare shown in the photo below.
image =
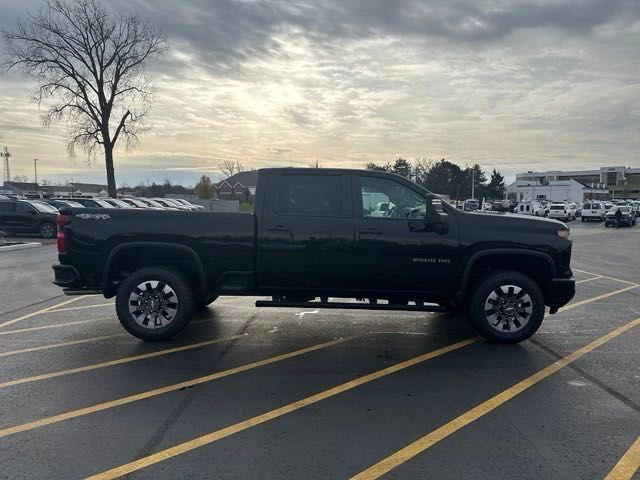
(106, 287)
(464, 283)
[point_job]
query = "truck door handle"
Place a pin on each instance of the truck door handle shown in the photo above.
(370, 231)
(278, 228)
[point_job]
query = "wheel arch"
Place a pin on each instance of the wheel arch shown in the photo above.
(154, 254)
(540, 270)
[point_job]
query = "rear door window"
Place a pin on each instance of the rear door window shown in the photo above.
(309, 195)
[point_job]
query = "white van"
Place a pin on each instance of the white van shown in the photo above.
(593, 211)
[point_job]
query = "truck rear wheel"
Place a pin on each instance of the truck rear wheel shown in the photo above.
(155, 303)
(506, 307)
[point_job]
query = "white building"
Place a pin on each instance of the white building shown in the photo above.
(619, 181)
(555, 191)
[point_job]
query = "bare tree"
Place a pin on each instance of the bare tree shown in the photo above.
(229, 168)
(90, 68)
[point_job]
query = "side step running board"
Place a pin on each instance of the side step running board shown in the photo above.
(353, 306)
(71, 291)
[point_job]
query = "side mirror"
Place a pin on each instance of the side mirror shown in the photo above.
(438, 218)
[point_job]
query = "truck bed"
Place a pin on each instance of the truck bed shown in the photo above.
(96, 237)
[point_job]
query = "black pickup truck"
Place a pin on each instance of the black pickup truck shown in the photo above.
(321, 234)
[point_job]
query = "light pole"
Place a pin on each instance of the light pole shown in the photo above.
(473, 184)
(35, 169)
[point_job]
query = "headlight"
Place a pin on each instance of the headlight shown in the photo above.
(566, 234)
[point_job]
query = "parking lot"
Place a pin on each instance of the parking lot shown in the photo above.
(285, 393)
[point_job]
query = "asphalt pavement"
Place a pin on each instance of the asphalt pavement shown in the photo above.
(322, 394)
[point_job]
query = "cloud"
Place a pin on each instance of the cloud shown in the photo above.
(509, 84)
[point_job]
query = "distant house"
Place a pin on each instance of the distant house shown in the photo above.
(241, 186)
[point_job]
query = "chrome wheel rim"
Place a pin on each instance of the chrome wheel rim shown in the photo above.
(46, 230)
(508, 308)
(153, 304)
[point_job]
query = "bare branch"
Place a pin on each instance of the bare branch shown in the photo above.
(89, 64)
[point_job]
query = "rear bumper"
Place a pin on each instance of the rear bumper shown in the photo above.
(66, 276)
(561, 292)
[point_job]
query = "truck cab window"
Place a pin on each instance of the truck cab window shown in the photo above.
(384, 198)
(309, 195)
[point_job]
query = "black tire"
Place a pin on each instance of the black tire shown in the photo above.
(210, 299)
(174, 282)
(47, 230)
(526, 319)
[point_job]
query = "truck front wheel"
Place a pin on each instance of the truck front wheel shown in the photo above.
(155, 303)
(506, 307)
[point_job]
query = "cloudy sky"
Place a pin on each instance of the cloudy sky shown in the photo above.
(516, 85)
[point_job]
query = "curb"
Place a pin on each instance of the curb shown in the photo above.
(22, 246)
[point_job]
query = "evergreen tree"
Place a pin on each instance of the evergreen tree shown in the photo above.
(496, 186)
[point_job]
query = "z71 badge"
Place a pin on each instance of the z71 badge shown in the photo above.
(94, 216)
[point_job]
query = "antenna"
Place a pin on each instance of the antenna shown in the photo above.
(6, 172)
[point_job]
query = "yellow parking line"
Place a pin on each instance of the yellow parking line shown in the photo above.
(278, 412)
(44, 310)
(596, 298)
(422, 444)
(170, 388)
(628, 465)
(579, 281)
(604, 276)
(59, 345)
(81, 308)
(119, 361)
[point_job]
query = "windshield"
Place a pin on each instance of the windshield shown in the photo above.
(43, 207)
(72, 204)
(154, 203)
(136, 202)
(557, 207)
(119, 203)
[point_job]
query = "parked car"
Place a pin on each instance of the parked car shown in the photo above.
(116, 203)
(186, 203)
(89, 202)
(627, 216)
(28, 217)
(593, 211)
(135, 203)
(382, 209)
(153, 204)
(471, 205)
(530, 208)
(561, 211)
(309, 238)
(165, 202)
(59, 202)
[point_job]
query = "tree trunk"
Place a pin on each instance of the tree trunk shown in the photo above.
(111, 177)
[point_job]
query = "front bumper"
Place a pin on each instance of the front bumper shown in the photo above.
(561, 292)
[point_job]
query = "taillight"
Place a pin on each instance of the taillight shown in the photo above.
(62, 220)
